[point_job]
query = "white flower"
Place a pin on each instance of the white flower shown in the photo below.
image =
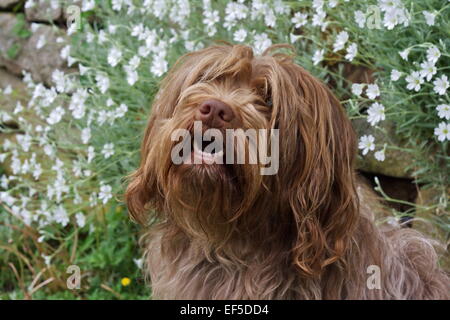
(77, 105)
(91, 154)
(37, 171)
(72, 29)
(318, 56)
(375, 113)
(138, 31)
(234, 11)
(82, 69)
(395, 75)
(433, 54)
(60, 216)
(30, 4)
(391, 19)
(132, 75)
(134, 62)
(108, 150)
(159, 65)
(428, 70)
(441, 85)
(269, 18)
(55, 116)
(7, 198)
(139, 262)
(299, 19)
(366, 144)
(210, 19)
(81, 219)
(102, 37)
(121, 110)
(379, 155)
(90, 37)
(144, 51)
(388, 5)
(18, 108)
(360, 18)
(442, 131)
(112, 29)
(42, 41)
(7, 90)
(352, 51)
(443, 111)
(85, 135)
(240, 35)
(261, 42)
(332, 3)
(105, 193)
(279, 6)
(414, 81)
(76, 168)
(429, 17)
(16, 165)
(357, 88)
(404, 54)
(294, 37)
(114, 57)
(319, 20)
(47, 259)
(59, 80)
(341, 40)
(117, 4)
(372, 91)
(24, 141)
(102, 82)
(317, 4)
(71, 61)
(88, 5)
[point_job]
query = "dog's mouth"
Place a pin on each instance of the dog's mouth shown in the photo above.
(207, 151)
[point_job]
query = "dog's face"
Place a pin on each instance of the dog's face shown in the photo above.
(226, 87)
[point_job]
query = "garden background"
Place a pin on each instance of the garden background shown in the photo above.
(77, 79)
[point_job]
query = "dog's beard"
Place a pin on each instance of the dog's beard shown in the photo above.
(205, 200)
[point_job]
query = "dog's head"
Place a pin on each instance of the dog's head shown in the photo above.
(310, 202)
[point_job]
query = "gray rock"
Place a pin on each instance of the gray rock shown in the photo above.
(7, 3)
(396, 162)
(38, 54)
(42, 61)
(7, 79)
(11, 43)
(44, 10)
(19, 92)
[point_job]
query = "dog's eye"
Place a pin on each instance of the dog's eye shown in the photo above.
(269, 102)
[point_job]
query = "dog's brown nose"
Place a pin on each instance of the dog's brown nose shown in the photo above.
(214, 113)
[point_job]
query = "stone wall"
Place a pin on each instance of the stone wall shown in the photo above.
(31, 38)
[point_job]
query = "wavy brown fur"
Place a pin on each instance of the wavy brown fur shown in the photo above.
(306, 233)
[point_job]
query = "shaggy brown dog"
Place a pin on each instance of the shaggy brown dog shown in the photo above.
(228, 232)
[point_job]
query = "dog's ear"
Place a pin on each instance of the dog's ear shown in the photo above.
(317, 150)
(142, 191)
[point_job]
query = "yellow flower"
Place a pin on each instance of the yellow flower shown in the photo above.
(125, 281)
